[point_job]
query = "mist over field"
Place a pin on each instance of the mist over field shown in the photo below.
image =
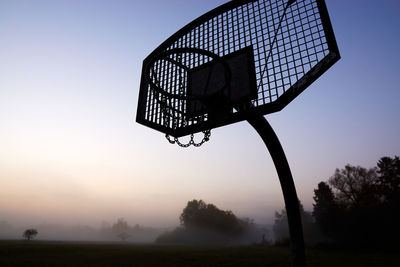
(134, 234)
(78, 232)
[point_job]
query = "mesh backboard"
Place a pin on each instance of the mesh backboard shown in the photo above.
(292, 43)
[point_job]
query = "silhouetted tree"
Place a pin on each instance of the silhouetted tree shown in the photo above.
(121, 229)
(199, 214)
(326, 209)
(357, 195)
(362, 207)
(389, 178)
(30, 233)
(203, 223)
(355, 186)
(389, 189)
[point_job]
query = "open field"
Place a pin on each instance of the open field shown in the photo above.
(50, 253)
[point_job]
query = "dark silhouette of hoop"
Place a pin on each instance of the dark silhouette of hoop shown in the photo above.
(165, 56)
(165, 98)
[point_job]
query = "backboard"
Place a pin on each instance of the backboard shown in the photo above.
(242, 59)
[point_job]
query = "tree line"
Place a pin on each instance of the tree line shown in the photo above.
(356, 206)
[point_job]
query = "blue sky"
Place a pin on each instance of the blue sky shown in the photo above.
(71, 152)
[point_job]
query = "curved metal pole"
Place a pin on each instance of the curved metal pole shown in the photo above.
(264, 129)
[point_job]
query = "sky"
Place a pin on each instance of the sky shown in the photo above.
(72, 153)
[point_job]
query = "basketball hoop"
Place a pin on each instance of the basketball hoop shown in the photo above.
(179, 105)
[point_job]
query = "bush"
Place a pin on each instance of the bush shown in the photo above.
(30, 233)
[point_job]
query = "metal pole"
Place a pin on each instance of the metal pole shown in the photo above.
(264, 129)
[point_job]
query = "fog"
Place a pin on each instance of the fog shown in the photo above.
(254, 235)
(105, 233)
(121, 231)
(103, 223)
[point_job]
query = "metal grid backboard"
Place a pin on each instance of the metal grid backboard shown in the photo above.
(292, 41)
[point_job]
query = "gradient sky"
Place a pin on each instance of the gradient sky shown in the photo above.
(71, 152)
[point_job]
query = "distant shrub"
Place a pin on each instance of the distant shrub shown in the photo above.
(30, 233)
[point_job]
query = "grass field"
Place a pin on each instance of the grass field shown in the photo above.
(49, 253)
